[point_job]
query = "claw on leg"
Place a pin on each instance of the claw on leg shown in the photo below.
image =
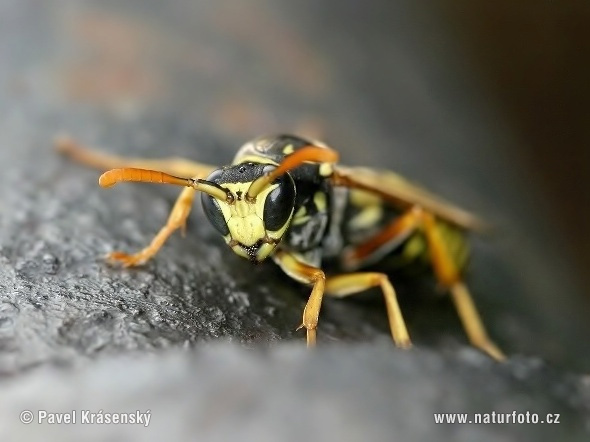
(472, 322)
(126, 260)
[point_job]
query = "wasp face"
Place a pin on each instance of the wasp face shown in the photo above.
(251, 228)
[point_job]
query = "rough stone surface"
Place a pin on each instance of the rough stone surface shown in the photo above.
(194, 80)
(349, 393)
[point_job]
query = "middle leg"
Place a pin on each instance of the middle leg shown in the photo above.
(353, 283)
(341, 286)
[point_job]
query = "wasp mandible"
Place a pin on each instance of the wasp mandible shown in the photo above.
(287, 198)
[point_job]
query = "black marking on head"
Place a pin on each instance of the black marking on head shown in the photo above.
(252, 250)
(239, 173)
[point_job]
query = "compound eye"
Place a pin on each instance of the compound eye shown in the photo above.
(214, 214)
(279, 203)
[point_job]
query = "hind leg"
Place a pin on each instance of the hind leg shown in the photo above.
(448, 275)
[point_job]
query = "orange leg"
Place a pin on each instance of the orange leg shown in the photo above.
(104, 161)
(341, 286)
(384, 241)
(176, 220)
(308, 275)
(353, 283)
(175, 166)
(448, 275)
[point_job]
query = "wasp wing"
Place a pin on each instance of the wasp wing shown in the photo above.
(404, 194)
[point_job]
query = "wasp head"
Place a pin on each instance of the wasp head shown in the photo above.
(251, 225)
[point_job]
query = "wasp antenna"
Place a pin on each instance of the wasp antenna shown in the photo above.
(114, 176)
(310, 153)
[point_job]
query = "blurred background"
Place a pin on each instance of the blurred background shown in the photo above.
(485, 103)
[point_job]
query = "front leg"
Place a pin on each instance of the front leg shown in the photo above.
(308, 275)
(176, 220)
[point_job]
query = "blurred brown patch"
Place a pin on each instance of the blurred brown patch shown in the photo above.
(534, 56)
(281, 47)
(111, 61)
(239, 115)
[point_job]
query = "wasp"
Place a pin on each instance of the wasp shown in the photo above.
(287, 198)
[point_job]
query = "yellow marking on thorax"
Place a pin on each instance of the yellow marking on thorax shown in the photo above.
(371, 209)
(289, 149)
(326, 169)
(367, 218)
(362, 198)
(319, 199)
(300, 217)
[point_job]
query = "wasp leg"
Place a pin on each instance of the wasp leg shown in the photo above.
(341, 286)
(308, 275)
(176, 220)
(445, 270)
(346, 285)
(103, 161)
(385, 241)
(448, 275)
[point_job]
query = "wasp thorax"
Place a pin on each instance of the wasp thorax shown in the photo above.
(252, 228)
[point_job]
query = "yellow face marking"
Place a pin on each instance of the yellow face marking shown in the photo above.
(289, 149)
(240, 252)
(244, 219)
(264, 251)
(245, 222)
